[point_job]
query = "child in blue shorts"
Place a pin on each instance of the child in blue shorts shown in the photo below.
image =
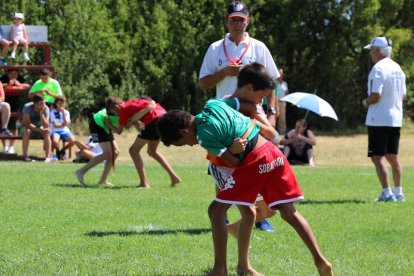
(59, 121)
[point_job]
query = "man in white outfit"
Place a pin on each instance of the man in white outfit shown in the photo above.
(386, 92)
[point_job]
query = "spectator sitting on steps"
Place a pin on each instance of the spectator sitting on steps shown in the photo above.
(5, 113)
(47, 87)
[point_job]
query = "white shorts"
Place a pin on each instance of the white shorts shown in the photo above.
(220, 175)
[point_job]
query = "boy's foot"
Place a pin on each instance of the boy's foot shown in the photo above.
(248, 272)
(3, 61)
(79, 176)
(175, 181)
(27, 159)
(217, 272)
(325, 269)
(385, 198)
(48, 160)
(105, 184)
(13, 55)
(5, 132)
(26, 56)
(264, 225)
(6, 149)
(142, 186)
(400, 198)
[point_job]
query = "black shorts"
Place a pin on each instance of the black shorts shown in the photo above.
(99, 135)
(295, 158)
(149, 132)
(383, 140)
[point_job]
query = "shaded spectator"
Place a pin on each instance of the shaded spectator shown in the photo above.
(36, 123)
(86, 151)
(5, 114)
(283, 91)
(19, 36)
(298, 144)
(47, 87)
(13, 80)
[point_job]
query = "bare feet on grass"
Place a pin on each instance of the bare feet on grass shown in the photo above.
(174, 181)
(79, 176)
(105, 184)
(249, 271)
(325, 268)
(217, 272)
(143, 186)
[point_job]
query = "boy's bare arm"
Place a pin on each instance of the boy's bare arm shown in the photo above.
(137, 116)
(266, 129)
(230, 159)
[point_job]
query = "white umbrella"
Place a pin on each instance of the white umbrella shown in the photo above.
(312, 103)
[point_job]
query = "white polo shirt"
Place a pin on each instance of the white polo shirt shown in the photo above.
(387, 79)
(215, 60)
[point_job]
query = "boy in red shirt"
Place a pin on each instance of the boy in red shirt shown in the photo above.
(132, 111)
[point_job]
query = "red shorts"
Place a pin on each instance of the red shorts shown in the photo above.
(266, 171)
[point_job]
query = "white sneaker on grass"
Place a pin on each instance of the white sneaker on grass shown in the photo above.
(400, 198)
(13, 55)
(385, 198)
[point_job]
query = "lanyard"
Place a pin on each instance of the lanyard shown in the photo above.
(232, 61)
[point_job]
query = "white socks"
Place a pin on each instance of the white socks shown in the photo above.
(398, 191)
(387, 191)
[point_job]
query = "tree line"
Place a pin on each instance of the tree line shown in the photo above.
(130, 48)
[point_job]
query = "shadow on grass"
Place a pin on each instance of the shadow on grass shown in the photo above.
(115, 187)
(193, 232)
(338, 201)
(15, 157)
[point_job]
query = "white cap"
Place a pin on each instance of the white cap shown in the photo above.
(19, 15)
(380, 42)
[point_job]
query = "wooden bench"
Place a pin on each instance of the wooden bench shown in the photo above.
(38, 38)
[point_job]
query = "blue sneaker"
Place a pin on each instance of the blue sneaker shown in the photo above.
(400, 198)
(3, 61)
(385, 198)
(264, 225)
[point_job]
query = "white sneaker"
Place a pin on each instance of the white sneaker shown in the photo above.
(13, 55)
(5, 149)
(386, 198)
(400, 198)
(11, 150)
(26, 56)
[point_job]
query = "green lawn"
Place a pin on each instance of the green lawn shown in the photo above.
(51, 225)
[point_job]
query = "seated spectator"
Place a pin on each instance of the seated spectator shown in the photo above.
(47, 87)
(5, 45)
(36, 123)
(298, 144)
(5, 114)
(13, 80)
(86, 151)
(59, 121)
(19, 36)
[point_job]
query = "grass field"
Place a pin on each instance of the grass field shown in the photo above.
(51, 225)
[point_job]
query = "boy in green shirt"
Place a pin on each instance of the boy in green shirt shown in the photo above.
(47, 87)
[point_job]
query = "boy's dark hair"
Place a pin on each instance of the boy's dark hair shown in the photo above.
(145, 97)
(59, 99)
(255, 73)
(45, 72)
(38, 98)
(111, 102)
(169, 125)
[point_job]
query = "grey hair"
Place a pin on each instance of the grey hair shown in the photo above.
(386, 51)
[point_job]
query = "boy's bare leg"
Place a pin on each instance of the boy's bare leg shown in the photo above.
(310, 158)
(106, 148)
(26, 141)
(108, 163)
(217, 213)
(262, 212)
(152, 151)
(301, 226)
(248, 214)
(134, 151)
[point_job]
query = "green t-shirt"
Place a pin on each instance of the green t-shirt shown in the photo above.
(100, 116)
(220, 123)
(51, 85)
